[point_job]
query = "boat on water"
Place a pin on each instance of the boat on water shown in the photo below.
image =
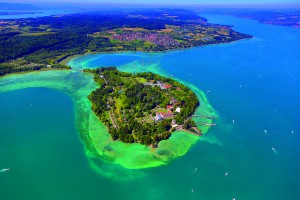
(5, 169)
(274, 150)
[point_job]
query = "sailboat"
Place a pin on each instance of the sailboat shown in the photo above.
(5, 169)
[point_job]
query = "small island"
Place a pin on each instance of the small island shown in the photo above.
(143, 107)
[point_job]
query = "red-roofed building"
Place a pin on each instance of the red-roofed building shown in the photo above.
(167, 115)
(167, 86)
(170, 107)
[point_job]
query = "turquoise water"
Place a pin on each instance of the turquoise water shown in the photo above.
(40, 144)
(253, 82)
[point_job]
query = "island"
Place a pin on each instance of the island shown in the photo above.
(137, 120)
(30, 44)
(142, 107)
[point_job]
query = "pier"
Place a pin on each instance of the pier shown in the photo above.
(205, 116)
(207, 124)
(196, 133)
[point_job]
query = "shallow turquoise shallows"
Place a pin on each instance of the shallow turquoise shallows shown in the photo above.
(255, 89)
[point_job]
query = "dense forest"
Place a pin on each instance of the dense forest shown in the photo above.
(128, 104)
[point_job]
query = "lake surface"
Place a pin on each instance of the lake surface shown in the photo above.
(32, 13)
(255, 89)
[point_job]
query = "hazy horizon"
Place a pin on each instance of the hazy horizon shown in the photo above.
(196, 5)
(237, 3)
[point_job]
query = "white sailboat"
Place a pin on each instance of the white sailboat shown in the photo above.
(4, 169)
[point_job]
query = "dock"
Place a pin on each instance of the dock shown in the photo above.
(205, 116)
(180, 128)
(207, 124)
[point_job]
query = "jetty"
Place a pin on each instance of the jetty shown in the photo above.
(205, 116)
(196, 133)
(207, 124)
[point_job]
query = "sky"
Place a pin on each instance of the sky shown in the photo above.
(162, 1)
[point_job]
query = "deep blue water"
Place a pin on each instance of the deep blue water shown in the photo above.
(254, 82)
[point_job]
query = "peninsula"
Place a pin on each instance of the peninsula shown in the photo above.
(143, 107)
(288, 18)
(48, 42)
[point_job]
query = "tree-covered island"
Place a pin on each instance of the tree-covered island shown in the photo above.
(144, 107)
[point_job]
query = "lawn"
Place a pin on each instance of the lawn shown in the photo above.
(141, 80)
(119, 103)
(146, 119)
(161, 110)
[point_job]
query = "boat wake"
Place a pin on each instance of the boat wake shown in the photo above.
(195, 170)
(274, 150)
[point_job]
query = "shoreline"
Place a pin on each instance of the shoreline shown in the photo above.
(177, 138)
(31, 71)
(69, 58)
(93, 134)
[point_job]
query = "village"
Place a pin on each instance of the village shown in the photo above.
(170, 37)
(152, 37)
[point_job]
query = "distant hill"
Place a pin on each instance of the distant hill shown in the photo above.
(16, 6)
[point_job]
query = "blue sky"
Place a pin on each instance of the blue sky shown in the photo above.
(162, 1)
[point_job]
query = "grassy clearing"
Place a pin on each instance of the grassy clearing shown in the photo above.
(146, 119)
(141, 80)
(161, 110)
(126, 80)
(119, 103)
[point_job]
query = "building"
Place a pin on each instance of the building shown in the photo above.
(170, 107)
(166, 86)
(173, 121)
(173, 101)
(158, 117)
(178, 109)
(175, 125)
(167, 115)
